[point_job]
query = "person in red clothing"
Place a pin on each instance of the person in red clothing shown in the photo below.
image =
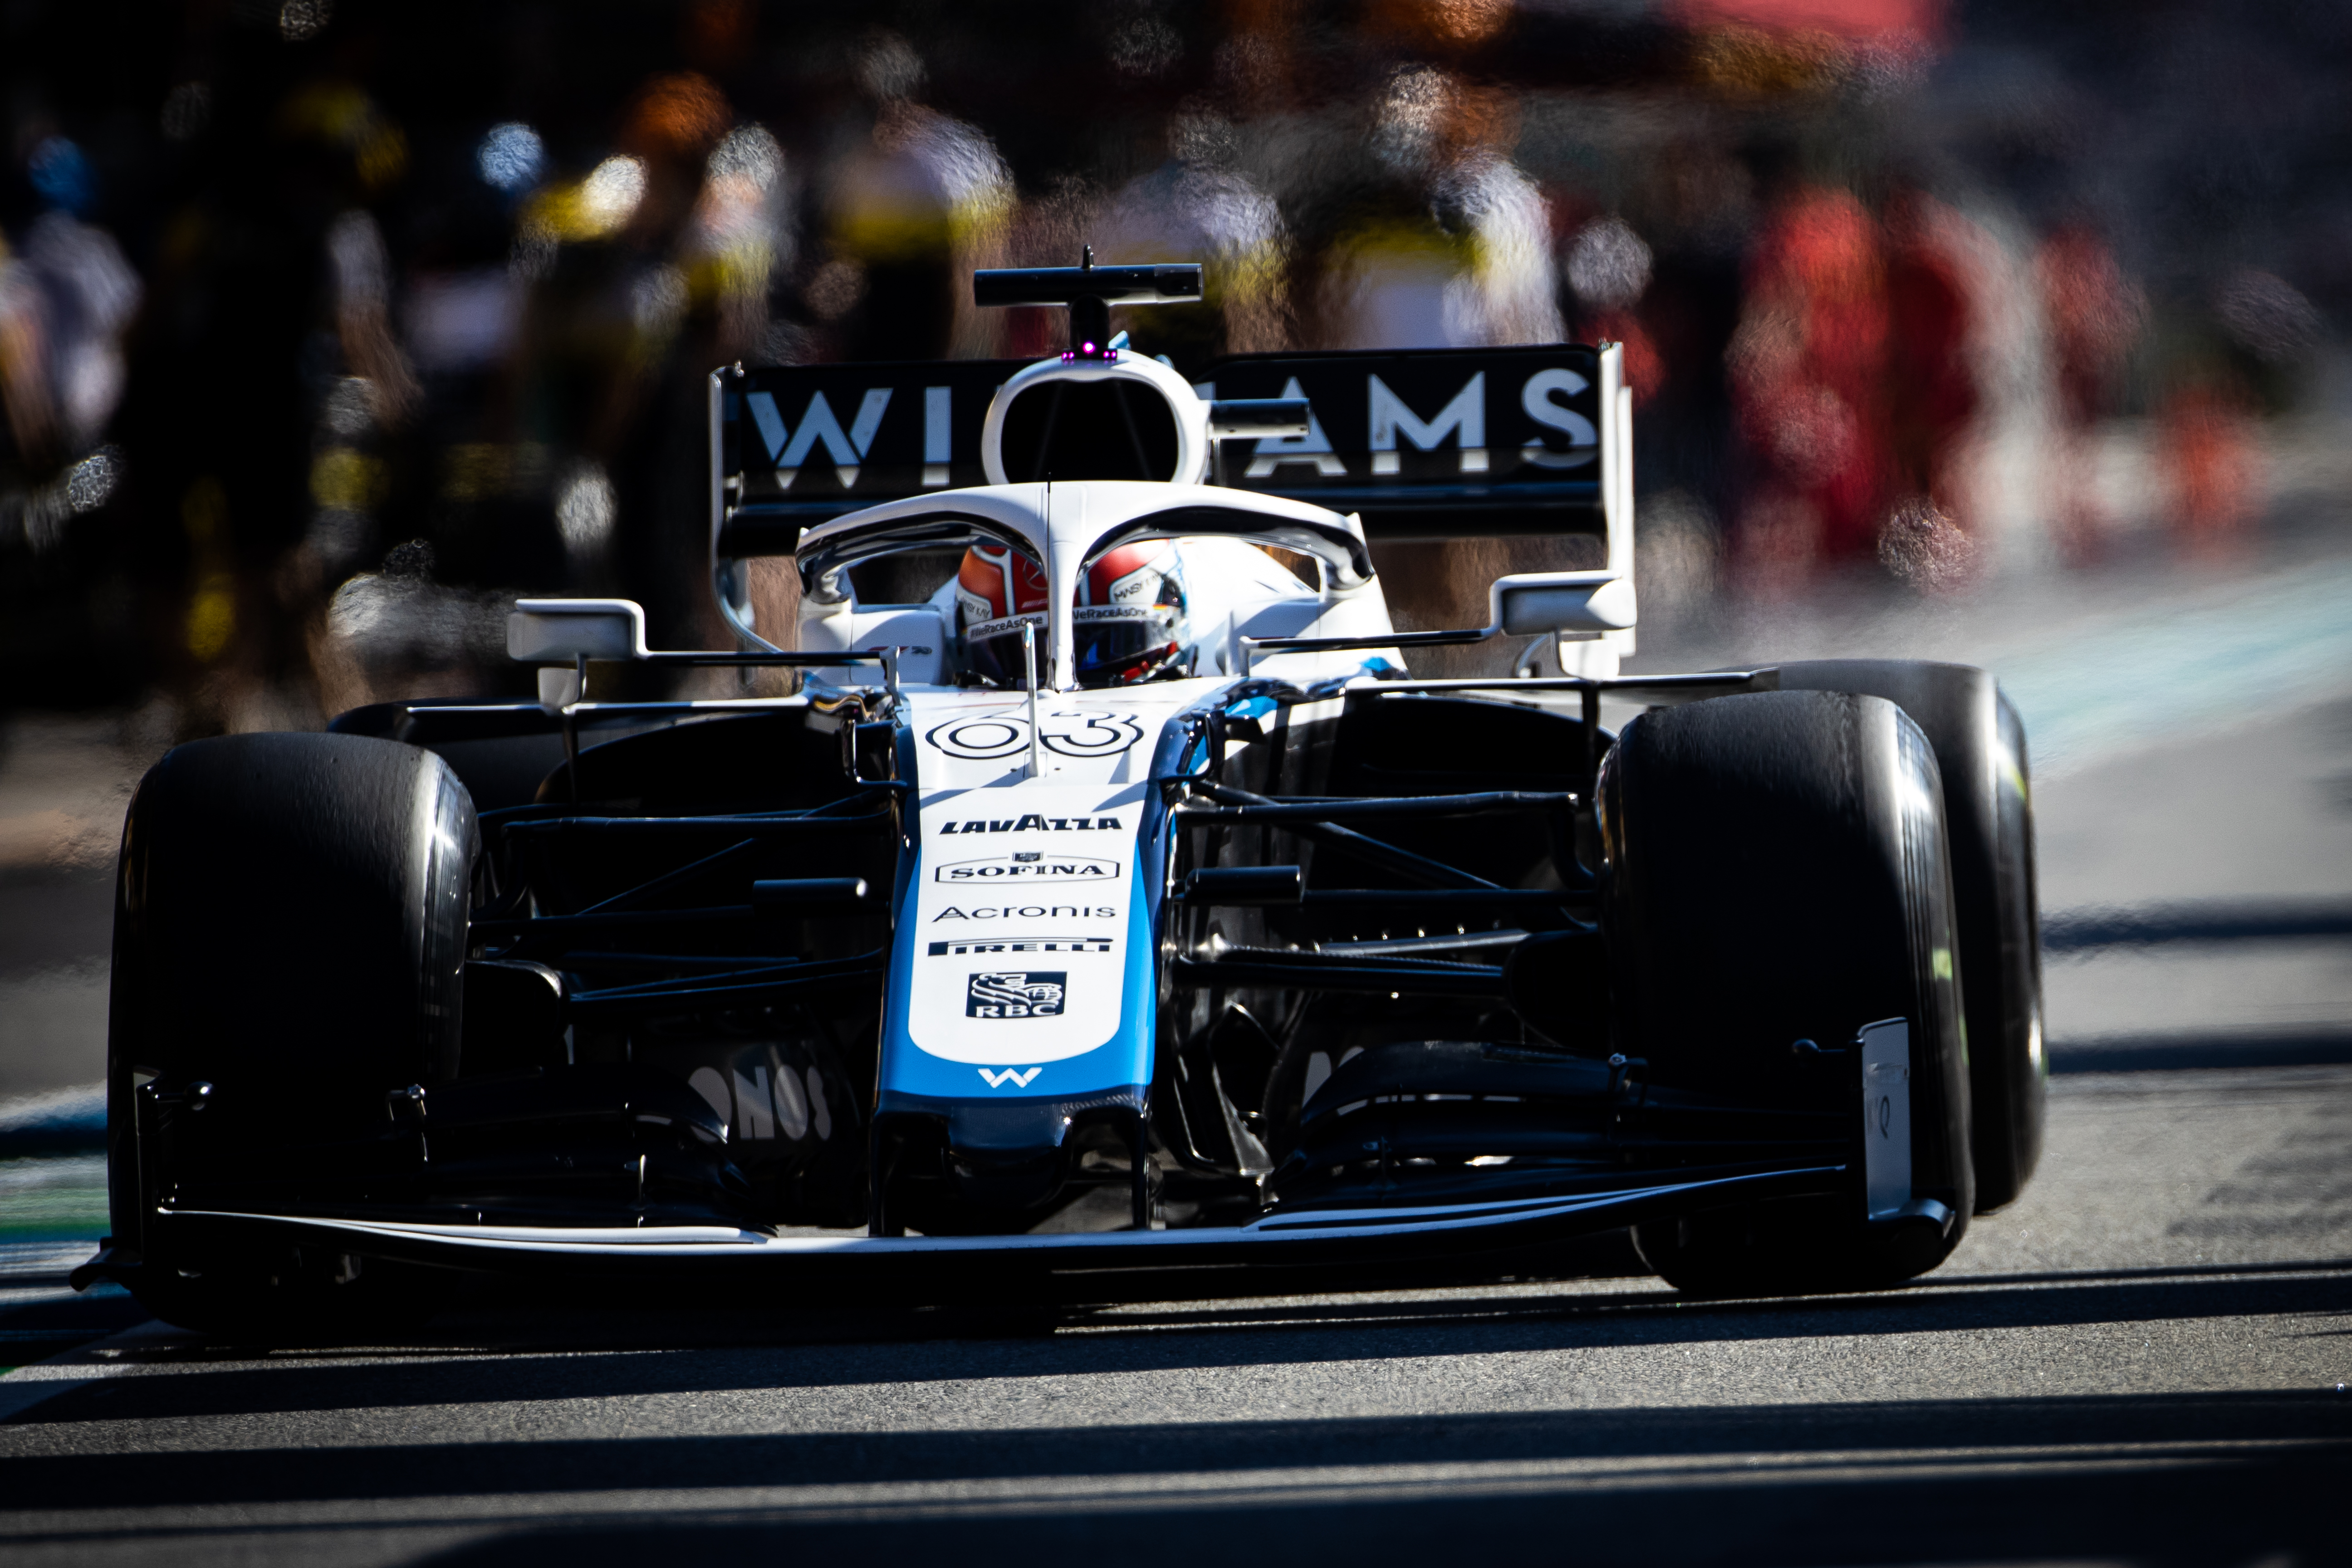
(1807, 370)
(1932, 397)
(2092, 313)
(2210, 465)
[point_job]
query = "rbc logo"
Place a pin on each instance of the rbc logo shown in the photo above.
(1018, 994)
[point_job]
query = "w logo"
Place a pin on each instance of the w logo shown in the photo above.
(1019, 1077)
(789, 449)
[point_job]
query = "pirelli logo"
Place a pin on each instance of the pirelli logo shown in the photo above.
(1025, 944)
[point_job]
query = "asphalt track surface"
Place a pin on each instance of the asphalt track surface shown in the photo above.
(2142, 1361)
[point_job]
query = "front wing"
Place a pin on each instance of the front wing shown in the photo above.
(1330, 1237)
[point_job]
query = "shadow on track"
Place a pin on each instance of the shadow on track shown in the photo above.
(1919, 1434)
(1903, 1480)
(2267, 1511)
(494, 1358)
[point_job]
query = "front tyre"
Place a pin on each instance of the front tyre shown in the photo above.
(289, 946)
(1775, 891)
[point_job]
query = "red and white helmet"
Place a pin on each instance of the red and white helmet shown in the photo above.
(1130, 622)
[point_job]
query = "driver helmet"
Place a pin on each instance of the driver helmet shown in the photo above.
(1130, 622)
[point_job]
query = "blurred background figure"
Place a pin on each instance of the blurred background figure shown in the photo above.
(2209, 465)
(2092, 314)
(1447, 244)
(1933, 393)
(66, 297)
(1202, 202)
(1808, 370)
(912, 206)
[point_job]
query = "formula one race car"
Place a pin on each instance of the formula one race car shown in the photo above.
(1107, 896)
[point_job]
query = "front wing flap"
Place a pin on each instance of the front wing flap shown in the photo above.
(1338, 1236)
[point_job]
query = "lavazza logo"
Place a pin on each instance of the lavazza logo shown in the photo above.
(1015, 993)
(1031, 822)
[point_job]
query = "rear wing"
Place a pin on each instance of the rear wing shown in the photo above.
(794, 447)
(1437, 443)
(1420, 445)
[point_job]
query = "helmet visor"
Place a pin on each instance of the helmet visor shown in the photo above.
(1118, 645)
(992, 649)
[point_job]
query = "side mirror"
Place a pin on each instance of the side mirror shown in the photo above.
(1569, 604)
(1574, 606)
(562, 631)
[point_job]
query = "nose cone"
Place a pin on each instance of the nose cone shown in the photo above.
(1007, 1155)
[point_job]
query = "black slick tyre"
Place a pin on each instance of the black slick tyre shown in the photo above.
(1775, 884)
(289, 944)
(1980, 758)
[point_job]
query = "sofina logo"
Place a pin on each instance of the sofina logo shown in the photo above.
(1030, 867)
(1015, 994)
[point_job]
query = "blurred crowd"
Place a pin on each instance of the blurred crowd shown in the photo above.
(327, 326)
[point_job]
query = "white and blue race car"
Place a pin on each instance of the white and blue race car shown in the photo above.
(1109, 895)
